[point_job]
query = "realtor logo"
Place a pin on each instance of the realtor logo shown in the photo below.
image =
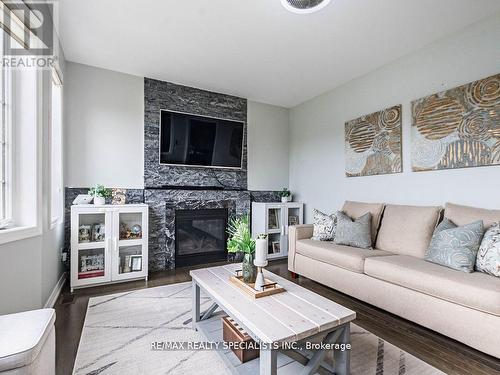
(29, 28)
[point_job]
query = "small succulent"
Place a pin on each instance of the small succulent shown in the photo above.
(284, 193)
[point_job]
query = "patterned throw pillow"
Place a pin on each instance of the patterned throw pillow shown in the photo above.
(455, 247)
(488, 256)
(324, 226)
(356, 233)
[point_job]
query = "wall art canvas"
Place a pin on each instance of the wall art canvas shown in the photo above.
(373, 143)
(457, 128)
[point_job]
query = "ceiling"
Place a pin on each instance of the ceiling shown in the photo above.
(255, 48)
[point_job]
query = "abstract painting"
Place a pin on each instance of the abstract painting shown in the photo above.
(373, 143)
(457, 128)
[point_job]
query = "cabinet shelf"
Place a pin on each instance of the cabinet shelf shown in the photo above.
(134, 242)
(274, 231)
(91, 245)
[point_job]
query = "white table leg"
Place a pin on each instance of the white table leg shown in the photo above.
(195, 311)
(342, 358)
(268, 362)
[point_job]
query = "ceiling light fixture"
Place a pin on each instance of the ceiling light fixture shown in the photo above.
(304, 6)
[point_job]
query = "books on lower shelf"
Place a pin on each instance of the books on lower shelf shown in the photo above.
(90, 274)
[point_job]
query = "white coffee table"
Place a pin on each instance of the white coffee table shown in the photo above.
(293, 316)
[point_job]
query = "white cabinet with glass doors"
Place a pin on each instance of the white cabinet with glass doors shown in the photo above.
(274, 219)
(109, 243)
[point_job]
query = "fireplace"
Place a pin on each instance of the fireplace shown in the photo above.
(200, 236)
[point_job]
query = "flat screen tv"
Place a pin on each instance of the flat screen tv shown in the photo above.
(192, 140)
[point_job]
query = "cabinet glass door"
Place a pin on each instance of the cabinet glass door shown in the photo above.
(91, 263)
(92, 228)
(294, 216)
(93, 236)
(129, 259)
(130, 225)
(274, 224)
(274, 245)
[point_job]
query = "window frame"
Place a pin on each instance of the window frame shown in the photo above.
(21, 231)
(6, 162)
(56, 211)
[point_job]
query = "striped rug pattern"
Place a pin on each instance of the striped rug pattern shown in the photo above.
(119, 329)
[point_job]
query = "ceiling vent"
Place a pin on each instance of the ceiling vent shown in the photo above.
(304, 6)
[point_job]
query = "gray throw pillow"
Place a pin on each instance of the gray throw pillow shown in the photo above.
(356, 233)
(455, 247)
(324, 226)
(488, 256)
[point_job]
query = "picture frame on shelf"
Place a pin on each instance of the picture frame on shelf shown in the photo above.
(84, 233)
(93, 262)
(293, 220)
(135, 263)
(276, 247)
(98, 232)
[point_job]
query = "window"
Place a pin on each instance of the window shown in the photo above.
(20, 152)
(56, 167)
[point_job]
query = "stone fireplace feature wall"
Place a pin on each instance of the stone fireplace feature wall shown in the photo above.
(159, 95)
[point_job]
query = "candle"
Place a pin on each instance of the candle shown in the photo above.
(260, 250)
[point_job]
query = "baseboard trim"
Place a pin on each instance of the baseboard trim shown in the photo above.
(51, 301)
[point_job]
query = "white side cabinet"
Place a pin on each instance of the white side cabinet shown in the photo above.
(109, 243)
(273, 219)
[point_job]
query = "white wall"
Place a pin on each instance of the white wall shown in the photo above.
(105, 132)
(32, 266)
(104, 127)
(267, 147)
(317, 174)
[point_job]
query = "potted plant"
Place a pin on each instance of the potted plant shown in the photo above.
(100, 193)
(286, 195)
(241, 242)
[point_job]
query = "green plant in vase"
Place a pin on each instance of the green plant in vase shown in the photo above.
(241, 241)
(100, 193)
(286, 195)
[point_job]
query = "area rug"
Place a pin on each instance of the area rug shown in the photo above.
(119, 329)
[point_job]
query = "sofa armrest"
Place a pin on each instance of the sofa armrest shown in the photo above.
(295, 233)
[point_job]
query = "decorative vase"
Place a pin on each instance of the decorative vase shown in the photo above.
(286, 199)
(99, 201)
(249, 269)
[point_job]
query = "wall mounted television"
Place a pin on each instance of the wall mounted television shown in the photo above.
(191, 140)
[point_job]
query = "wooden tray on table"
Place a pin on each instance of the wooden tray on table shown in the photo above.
(270, 287)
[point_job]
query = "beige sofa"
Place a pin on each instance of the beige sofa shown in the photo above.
(396, 278)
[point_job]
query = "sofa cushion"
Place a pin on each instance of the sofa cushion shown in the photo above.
(350, 258)
(357, 209)
(455, 246)
(488, 256)
(462, 215)
(324, 226)
(407, 229)
(356, 233)
(475, 290)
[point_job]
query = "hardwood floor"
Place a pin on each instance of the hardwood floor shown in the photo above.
(446, 354)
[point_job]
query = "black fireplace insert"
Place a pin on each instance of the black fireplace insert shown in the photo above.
(200, 236)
